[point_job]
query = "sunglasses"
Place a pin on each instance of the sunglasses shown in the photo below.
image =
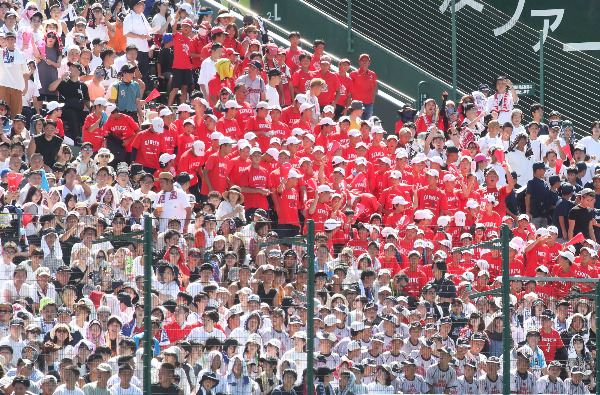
(96, 11)
(103, 156)
(174, 253)
(32, 9)
(100, 73)
(119, 222)
(195, 255)
(51, 36)
(62, 331)
(87, 148)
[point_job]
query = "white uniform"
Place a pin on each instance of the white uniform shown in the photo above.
(545, 386)
(519, 385)
(416, 386)
(464, 387)
(440, 379)
(487, 386)
(572, 389)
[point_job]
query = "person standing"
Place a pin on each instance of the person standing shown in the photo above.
(581, 217)
(137, 31)
(173, 202)
(255, 84)
(365, 85)
(346, 89)
(182, 64)
(126, 94)
(13, 75)
(74, 94)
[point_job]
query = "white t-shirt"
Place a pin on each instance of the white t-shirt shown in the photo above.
(201, 334)
(272, 96)
(207, 71)
(12, 68)
(174, 204)
(138, 24)
(25, 291)
(62, 390)
(592, 147)
(97, 32)
(132, 390)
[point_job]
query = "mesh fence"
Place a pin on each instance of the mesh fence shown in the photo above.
(421, 32)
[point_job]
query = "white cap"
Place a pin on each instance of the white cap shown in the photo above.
(292, 140)
(392, 136)
(255, 150)
(164, 158)
(285, 152)
(293, 174)
(552, 229)
(401, 153)
(216, 136)
(309, 136)
(471, 203)
(360, 161)
(158, 125)
(420, 157)
(273, 152)
(100, 101)
(567, 254)
(482, 264)
(53, 105)
(306, 106)
(331, 224)
(250, 136)
(385, 160)
(377, 129)
(469, 276)
(449, 177)
(460, 218)
(189, 121)
(387, 231)
(433, 173)
(110, 108)
(340, 170)
(297, 132)
(361, 144)
(399, 200)
(262, 104)
(467, 157)
(337, 160)
(436, 159)
(328, 109)
(327, 121)
(232, 104)
(226, 140)
(396, 174)
(423, 214)
(324, 188)
(300, 98)
(275, 140)
(443, 220)
(164, 112)
(304, 159)
(185, 107)
(243, 143)
(198, 147)
(354, 133)
(318, 148)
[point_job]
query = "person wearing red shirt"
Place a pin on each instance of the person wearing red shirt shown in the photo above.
(364, 205)
(318, 208)
(289, 204)
(365, 85)
(237, 164)
(54, 109)
(551, 340)
(377, 149)
(346, 89)
(182, 64)
(452, 196)
(214, 174)
(198, 42)
(585, 269)
(360, 244)
(292, 113)
(318, 49)
(221, 79)
(292, 54)
(218, 35)
(416, 277)
(254, 183)
(430, 197)
(228, 125)
(148, 145)
(377, 179)
(260, 125)
(488, 217)
(123, 127)
(184, 111)
(564, 268)
(491, 179)
(536, 253)
(245, 111)
(279, 129)
(92, 126)
(331, 90)
(191, 162)
(388, 259)
(186, 139)
(302, 77)
(304, 122)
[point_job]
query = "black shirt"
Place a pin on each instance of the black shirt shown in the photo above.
(563, 207)
(157, 389)
(582, 217)
(538, 190)
(48, 149)
(73, 93)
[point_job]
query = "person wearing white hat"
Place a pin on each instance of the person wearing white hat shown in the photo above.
(260, 125)
(214, 174)
(289, 204)
(319, 208)
(278, 128)
(148, 145)
(191, 162)
(430, 196)
(228, 125)
(254, 184)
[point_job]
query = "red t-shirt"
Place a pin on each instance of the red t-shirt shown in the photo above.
(289, 203)
(346, 88)
(321, 214)
(280, 130)
(452, 201)
(430, 199)
(170, 137)
(97, 136)
(184, 143)
(191, 164)
(363, 85)
(181, 51)
(289, 115)
(123, 128)
(198, 43)
(292, 59)
(562, 287)
(301, 80)
(255, 178)
(549, 343)
(243, 114)
(235, 167)
(500, 194)
(149, 146)
(229, 128)
(256, 124)
(416, 281)
(215, 84)
(217, 173)
(332, 83)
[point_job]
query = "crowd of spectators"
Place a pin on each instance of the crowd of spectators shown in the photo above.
(240, 142)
